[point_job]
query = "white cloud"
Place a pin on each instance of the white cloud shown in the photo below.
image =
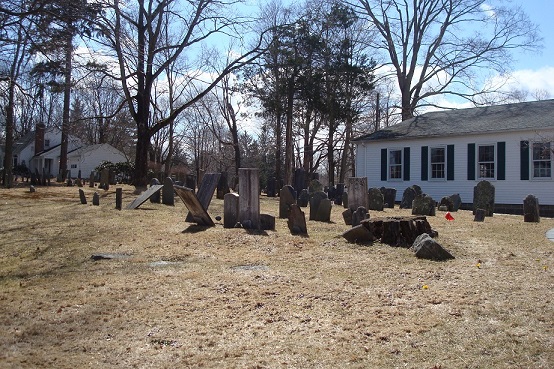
(488, 10)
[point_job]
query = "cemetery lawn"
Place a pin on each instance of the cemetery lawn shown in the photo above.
(178, 296)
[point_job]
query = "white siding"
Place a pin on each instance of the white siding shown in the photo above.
(512, 190)
(89, 158)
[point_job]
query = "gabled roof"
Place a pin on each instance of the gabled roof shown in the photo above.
(533, 115)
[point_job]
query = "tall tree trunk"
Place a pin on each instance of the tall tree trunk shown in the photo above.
(288, 134)
(66, 107)
(8, 152)
(308, 143)
(278, 144)
(345, 150)
(330, 151)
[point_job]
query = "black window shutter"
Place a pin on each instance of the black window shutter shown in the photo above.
(424, 163)
(471, 161)
(450, 162)
(524, 160)
(383, 164)
(501, 149)
(406, 164)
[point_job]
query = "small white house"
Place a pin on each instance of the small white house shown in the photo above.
(40, 150)
(448, 152)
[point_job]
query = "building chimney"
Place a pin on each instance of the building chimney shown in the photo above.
(39, 138)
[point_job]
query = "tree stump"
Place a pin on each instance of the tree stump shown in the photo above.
(398, 231)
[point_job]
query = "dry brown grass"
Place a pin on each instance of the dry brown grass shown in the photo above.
(224, 298)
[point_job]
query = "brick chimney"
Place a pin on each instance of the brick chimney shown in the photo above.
(39, 138)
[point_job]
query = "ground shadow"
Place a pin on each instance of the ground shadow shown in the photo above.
(195, 228)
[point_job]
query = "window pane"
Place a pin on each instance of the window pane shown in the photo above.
(395, 157)
(437, 155)
(541, 151)
(486, 153)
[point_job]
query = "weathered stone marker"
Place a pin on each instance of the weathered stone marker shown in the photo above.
(96, 199)
(297, 221)
(376, 200)
(357, 193)
(230, 210)
(425, 247)
(168, 194)
(104, 179)
(483, 198)
(479, 215)
(423, 205)
(82, 197)
(141, 199)
(389, 196)
(222, 187)
(91, 180)
(531, 209)
(303, 198)
(197, 212)
(316, 200)
(206, 191)
(249, 198)
(118, 198)
(287, 197)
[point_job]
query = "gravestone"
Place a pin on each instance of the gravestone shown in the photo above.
(32, 188)
(300, 177)
(104, 179)
(297, 221)
(479, 215)
(190, 182)
(446, 204)
(287, 197)
(425, 247)
(141, 199)
(69, 182)
(82, 197)
(206, 191)
(197, 212)
(323, 213)
(338, 194)
(423, 205)
(483, 198)
(91, 180)
(347, 215)
(531, 209)
(456, 201)
(222, 187)
(389, 197)
(375, 198)
(271, 189)
(118, 198)
(230, 210)
(345, 200)
(332, 193)
(358, 234)
(79, 182)
(168, 194)
(315, 186)
(249, 197)
(303, 198)
(267, 222)
(111, 177)
(408, 197)
(359, 215)
(155, 198)
(315, 202)
(96, 199)
(357, 193)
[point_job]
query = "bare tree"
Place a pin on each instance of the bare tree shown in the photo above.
(440, 47)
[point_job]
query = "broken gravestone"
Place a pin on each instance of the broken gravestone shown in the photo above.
(359, 215)
(141, 199)
(197, 212)
(483, 197)
(425, 247)
(531, 209)
(205, 191)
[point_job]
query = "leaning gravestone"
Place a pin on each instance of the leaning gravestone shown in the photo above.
(206, 191)
(425, 247)
(531, 209)
(141, 199)
(315, 202)
(297, 221)
(249, 198)
(408, 197)
(230, 210)
(303, 198)
(483, 197)
(197, 212)
(155, 198)
(376, 200)
(82, 197)
(168, 194)
(389, 196)
(357, 193)
(347, 215)
(287, 197)
(423, 205)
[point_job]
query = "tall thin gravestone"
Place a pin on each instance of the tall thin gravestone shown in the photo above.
(91, 180)
(168, 194)
(104, 179)
(82, 197)
(249, 197)
(96, 199)
(155, 198)
(357, 193)
(287, 197)
(118, 198)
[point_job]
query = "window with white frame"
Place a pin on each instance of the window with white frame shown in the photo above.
(486, 161)
(542, 160)
(73, 166)
(46, 143)
(438, 162)
(395, 164)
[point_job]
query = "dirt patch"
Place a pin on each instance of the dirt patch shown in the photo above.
(220, 297)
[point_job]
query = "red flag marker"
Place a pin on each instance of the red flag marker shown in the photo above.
(448, 216)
